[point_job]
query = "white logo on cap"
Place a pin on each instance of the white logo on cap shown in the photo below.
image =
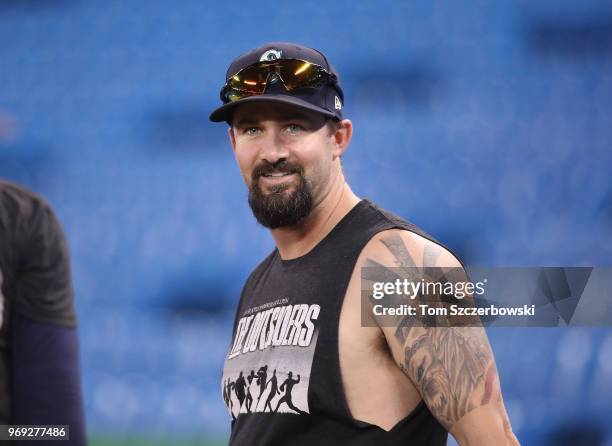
(337, 103)
(272, 54)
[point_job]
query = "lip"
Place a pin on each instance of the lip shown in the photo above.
(275, 180)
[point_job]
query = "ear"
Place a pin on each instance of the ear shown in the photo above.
(342, 137)
(232, 137)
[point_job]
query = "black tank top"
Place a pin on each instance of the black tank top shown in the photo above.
(281, 379)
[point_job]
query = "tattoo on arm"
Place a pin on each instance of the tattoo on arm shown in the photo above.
(452, 367)
(447, 365)
(395, 244)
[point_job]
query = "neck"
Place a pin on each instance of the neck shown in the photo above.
(297, 240)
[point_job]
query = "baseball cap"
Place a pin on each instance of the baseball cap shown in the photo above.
(323, 96)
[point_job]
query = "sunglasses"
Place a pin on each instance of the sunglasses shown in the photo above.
(293, 73)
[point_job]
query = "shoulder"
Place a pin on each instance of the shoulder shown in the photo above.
(28, 222)
(23, 209)
(20, 198)
(399, 242)
(400, 247)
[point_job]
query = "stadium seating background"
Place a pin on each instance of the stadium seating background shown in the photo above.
(487, 123)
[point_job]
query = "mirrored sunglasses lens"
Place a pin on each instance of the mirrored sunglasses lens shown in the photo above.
(300, 74)
(293, 73)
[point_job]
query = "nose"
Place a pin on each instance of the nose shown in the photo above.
(273, 149)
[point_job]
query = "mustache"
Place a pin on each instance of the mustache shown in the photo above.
(282, 166)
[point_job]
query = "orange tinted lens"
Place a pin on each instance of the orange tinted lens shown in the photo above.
(252, 79)
(301, 74)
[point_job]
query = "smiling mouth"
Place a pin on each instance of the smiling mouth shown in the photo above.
(276, 180)
(277, 175)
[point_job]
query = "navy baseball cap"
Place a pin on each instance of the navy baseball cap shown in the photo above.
(327, 99)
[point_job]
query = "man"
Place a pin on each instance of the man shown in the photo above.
(287, 387)
(249, 396)
(240, 389)
(39, 358)
(227, 393)
(273, 383)
(299, 311)
(262, 377)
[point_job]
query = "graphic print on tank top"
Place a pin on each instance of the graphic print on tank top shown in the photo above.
(269, 363)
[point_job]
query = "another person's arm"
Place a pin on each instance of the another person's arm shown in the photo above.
(43, 335)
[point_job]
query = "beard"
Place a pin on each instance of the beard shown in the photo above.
(280, 206)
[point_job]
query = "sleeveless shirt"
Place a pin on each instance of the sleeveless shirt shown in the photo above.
(281, 379)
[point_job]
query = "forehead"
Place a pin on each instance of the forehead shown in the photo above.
(273, 111)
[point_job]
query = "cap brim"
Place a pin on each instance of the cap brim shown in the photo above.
(225, 112)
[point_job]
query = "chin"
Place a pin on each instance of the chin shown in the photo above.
(282, 188)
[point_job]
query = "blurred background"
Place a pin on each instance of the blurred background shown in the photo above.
(487, 123)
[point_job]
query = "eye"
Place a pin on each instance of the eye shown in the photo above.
(294, 129)
(251, 131)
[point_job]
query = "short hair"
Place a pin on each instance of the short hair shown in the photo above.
(333, 125)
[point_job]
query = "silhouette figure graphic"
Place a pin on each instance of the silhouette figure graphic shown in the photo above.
(227, 396)
(262, 376)
(287, 385)
(239, 389)
(249, 397)
(273, 391)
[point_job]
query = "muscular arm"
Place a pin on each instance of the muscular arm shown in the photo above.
(452, 367)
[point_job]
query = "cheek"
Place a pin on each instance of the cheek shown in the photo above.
(320, 167)
(245, 163)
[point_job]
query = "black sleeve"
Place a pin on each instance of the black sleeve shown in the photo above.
(46, 377)
(44, 284)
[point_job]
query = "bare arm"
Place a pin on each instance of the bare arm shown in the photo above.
(452, 367)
